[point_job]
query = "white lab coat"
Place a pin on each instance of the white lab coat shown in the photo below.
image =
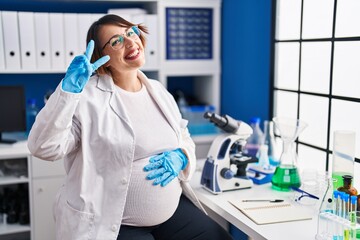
(92, 133)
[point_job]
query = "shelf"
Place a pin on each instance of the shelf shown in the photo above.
(16, 150)
(122, 1)
(54, 71)
(34, 71)
(203, 139)
(190, 67)
(13, 180)
(13, 228)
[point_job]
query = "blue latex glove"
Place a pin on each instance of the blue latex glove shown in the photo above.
(80, 70)
(166, 166)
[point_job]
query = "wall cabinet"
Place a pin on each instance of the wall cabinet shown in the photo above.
(15, 191)
(40, 181)
(47, 178)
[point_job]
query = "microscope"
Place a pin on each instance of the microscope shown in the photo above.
(225, 166)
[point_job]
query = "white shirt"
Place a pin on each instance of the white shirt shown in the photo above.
(146, 204)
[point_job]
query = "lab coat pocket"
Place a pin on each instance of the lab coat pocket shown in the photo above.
(76, 225)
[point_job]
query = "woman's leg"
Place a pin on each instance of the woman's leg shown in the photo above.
(190, 223)
(135, 233)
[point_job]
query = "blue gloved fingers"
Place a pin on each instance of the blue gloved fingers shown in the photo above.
(77, 62)
(161, 178)
(157, 158)
(76, 75)
(79, 66)
(89, 49)
(166, 181)
(100, 62)
(167, 166)
(89, 52)
(80, 70)
(152, 166)
(155, 174)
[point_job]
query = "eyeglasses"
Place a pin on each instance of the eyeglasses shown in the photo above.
(117, 41)
(303, 194)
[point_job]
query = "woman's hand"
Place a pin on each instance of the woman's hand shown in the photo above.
(166, 166)
(80, 70)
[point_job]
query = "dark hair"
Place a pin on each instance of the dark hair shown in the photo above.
(109, 19)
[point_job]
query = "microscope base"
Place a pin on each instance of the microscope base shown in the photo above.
(260, 176)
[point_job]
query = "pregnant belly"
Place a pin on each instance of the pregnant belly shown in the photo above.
(146, 204)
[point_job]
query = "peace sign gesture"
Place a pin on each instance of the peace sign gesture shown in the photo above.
(80, 70)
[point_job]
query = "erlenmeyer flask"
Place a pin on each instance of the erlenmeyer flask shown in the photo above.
(326, 210)
(286, 174)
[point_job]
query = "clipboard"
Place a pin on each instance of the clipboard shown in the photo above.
(267, 213)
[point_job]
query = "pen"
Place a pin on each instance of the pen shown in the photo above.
(264, 200)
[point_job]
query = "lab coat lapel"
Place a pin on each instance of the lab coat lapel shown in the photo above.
(118, 107)
(105, 83)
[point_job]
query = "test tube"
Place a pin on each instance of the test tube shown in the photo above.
(340, 226)
(346, 206)
(352, 217)
(341, 205)
(331, 225)
(346, 233)
(353, 202)
(336, 209)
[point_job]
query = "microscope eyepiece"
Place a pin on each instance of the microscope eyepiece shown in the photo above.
(214, 118)
(226, 123)
(207, 115)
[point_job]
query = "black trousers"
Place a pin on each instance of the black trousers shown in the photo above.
(187, 223)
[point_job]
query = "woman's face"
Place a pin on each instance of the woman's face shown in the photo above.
(126, 52)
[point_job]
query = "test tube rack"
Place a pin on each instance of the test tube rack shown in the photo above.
(333, 227)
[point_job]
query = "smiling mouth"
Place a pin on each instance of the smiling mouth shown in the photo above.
(133, 54)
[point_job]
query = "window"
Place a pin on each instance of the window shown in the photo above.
(317, 73)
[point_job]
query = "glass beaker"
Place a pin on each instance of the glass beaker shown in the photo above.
(343, 156)
(286, 174)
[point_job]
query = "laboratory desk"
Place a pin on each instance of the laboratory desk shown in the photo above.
(296, 230)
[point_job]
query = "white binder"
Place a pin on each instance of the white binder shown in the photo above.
(96, 16)
(84, 23)
(152, 49)
(127, 13)
(71, 37)
(11, 40)
(139, 19)
(152, 39)
(42, 40)
(27, 40)
(57, 41)
(2, 51)
(126, 16)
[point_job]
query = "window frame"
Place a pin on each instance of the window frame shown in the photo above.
(330, 96)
